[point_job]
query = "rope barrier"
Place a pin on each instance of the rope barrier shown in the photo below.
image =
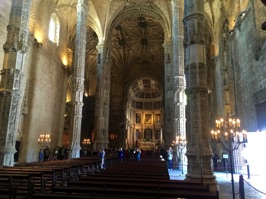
(253, 187)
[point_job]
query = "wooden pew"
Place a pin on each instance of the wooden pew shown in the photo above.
(92, 196)
(135, 191)
(130, 179)
(15, 184)
(96, 178)
(140, 180)
(145, 185)
(42, 176)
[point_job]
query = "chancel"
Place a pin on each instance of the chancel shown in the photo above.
(133, 75)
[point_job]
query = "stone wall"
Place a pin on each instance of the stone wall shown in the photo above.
(4, 17)
(46, 81)
(43, 85)
(246, 68)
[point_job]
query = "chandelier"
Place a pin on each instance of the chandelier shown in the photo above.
(228, 130)
(229, 135)
(44, 139)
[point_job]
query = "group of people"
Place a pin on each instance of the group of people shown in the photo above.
(59, 153)
(121, 154)
(44, 154)
(168, 155)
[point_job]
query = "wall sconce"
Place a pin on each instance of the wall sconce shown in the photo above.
(39, 44)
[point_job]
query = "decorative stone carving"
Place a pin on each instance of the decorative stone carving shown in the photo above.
(196, 38)
(103, 95)
(78, 76)
(15, 46)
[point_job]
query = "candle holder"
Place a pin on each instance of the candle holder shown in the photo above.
(86, 141)
(44, 139)
(229, 135)
(180, 142)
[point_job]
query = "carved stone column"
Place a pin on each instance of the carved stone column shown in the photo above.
(178, 71)
(169, 93)
(178, 66)
(103, 98)
(10, 87)
(197, 36)
(78, 77)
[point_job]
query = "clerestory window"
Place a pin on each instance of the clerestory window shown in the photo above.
(54, 28)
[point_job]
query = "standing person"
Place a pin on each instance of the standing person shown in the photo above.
(138, 152)
(102, 156)
(215, 160)
(66, 152)
(40, 155)
(225, 157)
(62, 154)
(170, 158)
(85, 152)
(59, 153)
(46, 153)
(121, 154)
(131, 153)
(55, 153)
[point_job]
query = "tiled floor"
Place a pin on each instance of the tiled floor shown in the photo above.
(255, 187)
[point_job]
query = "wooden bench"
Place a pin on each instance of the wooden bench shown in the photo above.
(130, 179)
(135, 191)
(143, 185)
(42, 176)
(15, 184)
(136, 180)
(92, 196)
(140, 180)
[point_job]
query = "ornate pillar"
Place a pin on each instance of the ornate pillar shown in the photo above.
(178, 68)
(197, 36)
(169, 121)
(10, 87)
(178, 65)
(78, 77)
(103, 97)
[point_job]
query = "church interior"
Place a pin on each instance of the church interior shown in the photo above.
(131, 74)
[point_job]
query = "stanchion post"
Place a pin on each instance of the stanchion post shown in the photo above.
(241, 187)
(248, 171)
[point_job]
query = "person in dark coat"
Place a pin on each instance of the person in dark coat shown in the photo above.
(46, 153)
(215, 160)
(224, 160)
(138, 152)
(121, 155)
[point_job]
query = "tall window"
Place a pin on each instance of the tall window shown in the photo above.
(54, 29)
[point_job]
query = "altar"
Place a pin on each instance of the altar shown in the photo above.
(147, 145)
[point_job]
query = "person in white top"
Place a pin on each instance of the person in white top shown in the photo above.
(170, 158)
